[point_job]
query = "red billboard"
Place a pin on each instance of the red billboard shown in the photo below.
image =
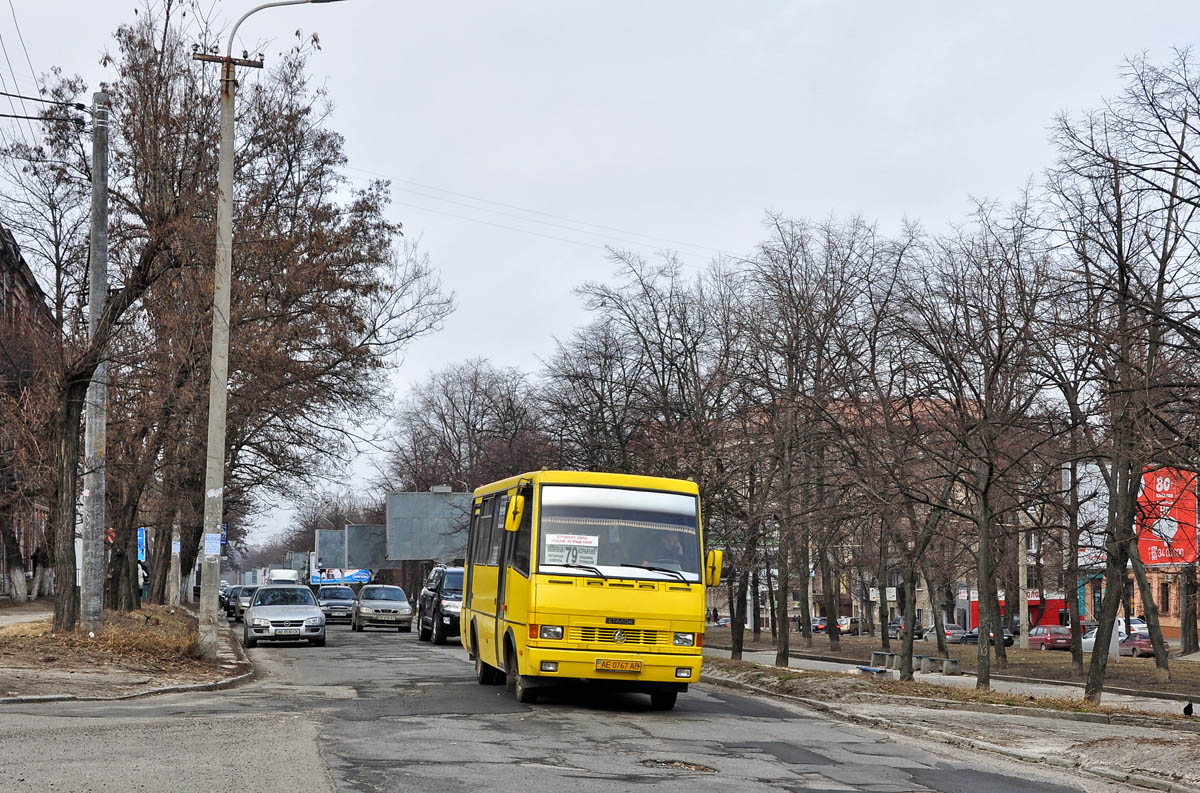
(1166, 523)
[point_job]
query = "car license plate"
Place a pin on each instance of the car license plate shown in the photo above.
(287, 631)
(612, 665)
(387, 616)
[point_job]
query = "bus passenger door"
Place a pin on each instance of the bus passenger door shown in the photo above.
(500, 555)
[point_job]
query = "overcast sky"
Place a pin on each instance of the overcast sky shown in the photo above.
(521, 138)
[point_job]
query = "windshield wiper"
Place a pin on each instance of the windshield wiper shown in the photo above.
(657, 570)
(595, 570)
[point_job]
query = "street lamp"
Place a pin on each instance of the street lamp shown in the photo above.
(218, 381)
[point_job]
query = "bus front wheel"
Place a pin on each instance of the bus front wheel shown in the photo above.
(663, 700)
(515, 681)
(485, 674)
(523, 692)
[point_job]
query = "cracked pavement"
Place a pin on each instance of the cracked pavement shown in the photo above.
(379, 711)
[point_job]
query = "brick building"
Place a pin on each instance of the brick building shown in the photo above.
(27, 334)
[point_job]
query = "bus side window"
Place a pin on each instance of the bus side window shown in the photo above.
(483, 532)
(498, 529)
(524, 540)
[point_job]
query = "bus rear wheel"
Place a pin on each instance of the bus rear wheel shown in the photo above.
(663, 700)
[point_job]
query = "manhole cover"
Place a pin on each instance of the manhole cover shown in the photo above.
(680, 765)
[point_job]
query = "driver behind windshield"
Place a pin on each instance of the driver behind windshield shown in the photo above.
(665, 551)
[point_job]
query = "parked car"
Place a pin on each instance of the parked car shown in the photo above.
(336, 602)
(1050, 637)
(282, 612)
(231, 598)
(382, 606)
(850, 626)
(245, 595)
(895, 629)
(1089, 640)
(724, 622)
(952, 631)
(440, 604)
(972, 637)
(1138, 644)
(820, 625)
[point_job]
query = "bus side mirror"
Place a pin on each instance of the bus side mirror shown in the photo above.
(712, 567)
(516, 510)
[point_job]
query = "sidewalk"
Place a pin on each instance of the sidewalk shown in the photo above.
(1046, 689)
(16, 615)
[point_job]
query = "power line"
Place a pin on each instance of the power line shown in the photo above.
(21, 38)
(601, 226)
(75, 105)
(4, 86)
(500, 225)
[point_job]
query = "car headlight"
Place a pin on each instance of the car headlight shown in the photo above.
(551, 632)
(364, 610)
(259, 622)
(453, 605)
(405, 609)
(315, 621)
(685, 640)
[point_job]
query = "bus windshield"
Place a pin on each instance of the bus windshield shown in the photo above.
(619, 533)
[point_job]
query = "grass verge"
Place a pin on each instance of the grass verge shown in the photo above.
(835, 687)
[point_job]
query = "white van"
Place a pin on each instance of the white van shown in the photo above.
(283, 577)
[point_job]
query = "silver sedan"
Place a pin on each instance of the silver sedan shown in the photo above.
(284, 613)
(384, 606)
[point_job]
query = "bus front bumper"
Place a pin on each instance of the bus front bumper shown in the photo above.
(588, 665)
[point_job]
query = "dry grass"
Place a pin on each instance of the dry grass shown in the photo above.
(833, 687)
(153, 637)
(1053, 665)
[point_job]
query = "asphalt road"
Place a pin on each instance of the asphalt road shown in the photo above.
(379, 711)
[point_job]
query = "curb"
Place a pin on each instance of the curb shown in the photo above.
(1151, 783)
(1127, 692)
(212, 685)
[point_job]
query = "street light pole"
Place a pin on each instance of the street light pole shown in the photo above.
(218, 381)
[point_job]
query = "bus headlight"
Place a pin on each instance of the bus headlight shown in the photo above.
(685, 640)
(551, 632)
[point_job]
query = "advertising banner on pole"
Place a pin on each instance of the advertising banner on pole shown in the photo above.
(142, 544)
(1166, 519)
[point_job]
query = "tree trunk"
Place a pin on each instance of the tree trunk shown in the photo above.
(1161, 667)
(772, 605)
(829, 596)
(1114, 578)
(935, 598)
(737, 627)
(805, 604)
(987, 596)
(881, 578)
(782, 645)
(1188, 642)
(910, 620)
(756, 607)
(1072, 583)
(62, 513)
(12, 554)
(866, 620)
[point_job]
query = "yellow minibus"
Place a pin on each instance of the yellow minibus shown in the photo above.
(587, 576)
